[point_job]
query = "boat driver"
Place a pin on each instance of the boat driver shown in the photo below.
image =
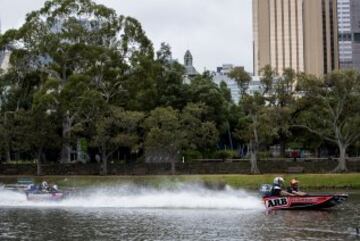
(277, 188)
(294, 188)
(44, 186)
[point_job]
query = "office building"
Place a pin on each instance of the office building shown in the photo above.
(349, 33)
(221, 75)
(297, 34)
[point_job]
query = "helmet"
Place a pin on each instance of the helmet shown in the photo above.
(55, 187)
(44, 184)
(278, 180)
(294, 182)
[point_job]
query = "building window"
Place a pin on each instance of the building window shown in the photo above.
(357, 37)
(345, 37)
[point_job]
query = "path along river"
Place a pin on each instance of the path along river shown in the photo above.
(188, 212)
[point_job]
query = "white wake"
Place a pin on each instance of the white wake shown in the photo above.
(185, 196)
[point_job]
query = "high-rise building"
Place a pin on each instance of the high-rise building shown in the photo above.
(297, 34)
(222, 75)
(349, 33)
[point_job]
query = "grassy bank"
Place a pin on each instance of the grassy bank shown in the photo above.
(307, 181)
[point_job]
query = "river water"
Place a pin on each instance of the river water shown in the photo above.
(187, 212)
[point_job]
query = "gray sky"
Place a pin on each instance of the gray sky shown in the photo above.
(216, 31)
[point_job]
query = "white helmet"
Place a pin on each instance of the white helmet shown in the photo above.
(44, 184)
(278, 180)
(55, 187)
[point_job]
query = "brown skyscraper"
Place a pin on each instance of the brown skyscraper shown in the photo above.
(300, 34)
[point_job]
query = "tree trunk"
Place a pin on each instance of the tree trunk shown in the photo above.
(8, 155)
(253, 158)
(104, 167)
(38, 163)
(254, 147)
(317, 152)
(66, 148)
(66, 153)
(229, 135)
(341, 167)
(282, 146)
(173, 170)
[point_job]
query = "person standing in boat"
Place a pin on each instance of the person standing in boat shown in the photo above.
(294, 188)
(277, 186)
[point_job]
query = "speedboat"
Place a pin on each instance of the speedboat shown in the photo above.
(44, 196)
(316, 201)
(304, 202)
(40, 193)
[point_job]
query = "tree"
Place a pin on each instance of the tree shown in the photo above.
(37, 132)
(17, 87)
(168, 80)
(282, 99)
(255, 124)
(200, 134)
(331, 109)
(203, 90)
(164, 137)
(76, 102)
(67, 39)
(242, 78)
(117, 128)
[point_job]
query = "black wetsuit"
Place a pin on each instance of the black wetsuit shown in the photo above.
(276, 190)
(292, 189)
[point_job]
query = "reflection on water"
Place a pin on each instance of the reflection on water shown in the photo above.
(210, 221)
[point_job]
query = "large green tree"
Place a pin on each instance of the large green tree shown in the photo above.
(282, 99)
(117, 128)
(255, 125)
(78, 37)
(164, 137)
(200, 134)
(330, 109)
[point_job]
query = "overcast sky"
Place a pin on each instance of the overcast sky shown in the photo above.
(215, 31)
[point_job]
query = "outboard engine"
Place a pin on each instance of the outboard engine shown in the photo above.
(265, 190)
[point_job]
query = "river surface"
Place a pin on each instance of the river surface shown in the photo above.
(189, 212)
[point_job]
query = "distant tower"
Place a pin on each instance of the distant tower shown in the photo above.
(188, 59)
(190, 71)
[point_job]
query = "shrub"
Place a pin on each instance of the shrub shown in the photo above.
(190, 155)
(225, 154)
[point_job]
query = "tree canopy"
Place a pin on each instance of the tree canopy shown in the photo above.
(80, 72)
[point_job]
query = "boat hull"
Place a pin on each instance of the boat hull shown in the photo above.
(306, 202)
(55, 196)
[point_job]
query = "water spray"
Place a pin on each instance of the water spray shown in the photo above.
(183, 196)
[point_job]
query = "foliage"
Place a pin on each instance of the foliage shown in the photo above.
(191, 155)
(164, 138)
(81, 71)
(335, 116)
(117, 128)
(255, 124)
(225, 154)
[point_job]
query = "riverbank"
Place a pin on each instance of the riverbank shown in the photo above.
(307, 181)
(204, 167)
